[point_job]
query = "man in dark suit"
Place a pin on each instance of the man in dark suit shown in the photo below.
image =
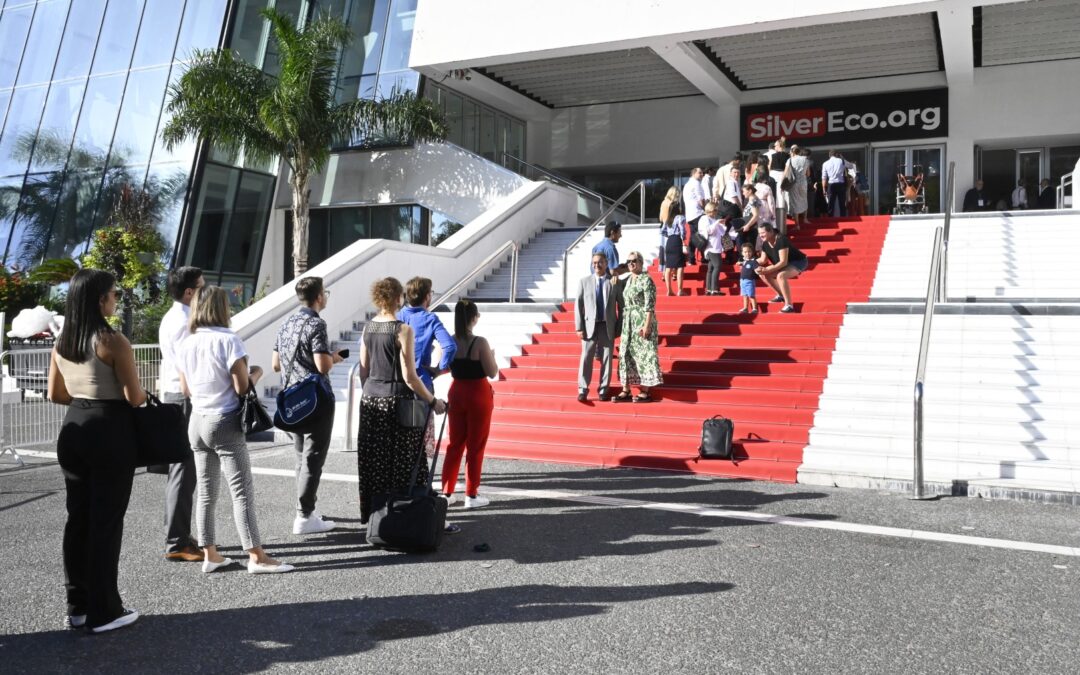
(597, 320)
(1047, 198)
(975, 199)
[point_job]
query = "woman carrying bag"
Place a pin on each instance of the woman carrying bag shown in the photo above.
(92, 371)
(214, 374)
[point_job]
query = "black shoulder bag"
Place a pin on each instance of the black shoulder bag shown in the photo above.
(161, 433)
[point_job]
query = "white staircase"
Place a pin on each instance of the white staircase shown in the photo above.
(1002, 256)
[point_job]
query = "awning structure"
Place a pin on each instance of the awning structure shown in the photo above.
(1026, 32)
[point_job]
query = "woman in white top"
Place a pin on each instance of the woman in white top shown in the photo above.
(214, 374)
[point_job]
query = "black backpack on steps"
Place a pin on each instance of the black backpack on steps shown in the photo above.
(716, 436)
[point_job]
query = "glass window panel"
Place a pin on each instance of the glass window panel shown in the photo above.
(34, 218)
(382, 222)
(442, 227)
(399, 36)
(97, 121)
(24, 113)
(247, 34)
(9, 201)
(366, 21)
(168, 184)
(139, 114)
(453, 118)
(14, 27)
(291, 9)
(201, 28)
(470, 122)
(185, 152)
(401, 81)
(1062, 161)
(44, 40)
(80, 37)
(516, 144)
(487, 134)
(74, 213)
(157, 33)
(118, 34)
(58, 125)
(5, 96)
(346, 227)
(419, 232)
(317, 238)
(215, 201)
(116, 179)
(248, 222)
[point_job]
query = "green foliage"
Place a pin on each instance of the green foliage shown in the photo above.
(54, 271)
(147, 321)
(18, 293)
(132, 250)
(296, 115)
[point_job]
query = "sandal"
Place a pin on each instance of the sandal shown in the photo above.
(643, 398)
(623, 397)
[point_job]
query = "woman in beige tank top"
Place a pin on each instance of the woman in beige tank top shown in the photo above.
(92, 371)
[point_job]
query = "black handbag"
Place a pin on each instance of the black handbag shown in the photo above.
(716, 436)
(254, 417)
(411, 519)
(161, 433)
(412, 412)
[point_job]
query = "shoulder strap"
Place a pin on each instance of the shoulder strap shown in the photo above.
(468, 350)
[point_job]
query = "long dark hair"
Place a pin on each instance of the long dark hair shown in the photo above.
(83, 320)
(464, 312)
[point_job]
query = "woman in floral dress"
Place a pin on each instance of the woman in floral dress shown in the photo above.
(639, 364)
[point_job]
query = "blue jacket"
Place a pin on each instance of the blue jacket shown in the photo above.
(610, 252)
(428, 329)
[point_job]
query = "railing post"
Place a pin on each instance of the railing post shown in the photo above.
(565, 272)
(932, 289)
(950, 196)
(918, 489)
(641, 198)
(350, 437)
(513, 273)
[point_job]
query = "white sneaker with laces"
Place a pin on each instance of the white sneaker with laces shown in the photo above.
(476, 502)
(313, 524)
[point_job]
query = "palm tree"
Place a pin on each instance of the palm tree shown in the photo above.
(294, 116)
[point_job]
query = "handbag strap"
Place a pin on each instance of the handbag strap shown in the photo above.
(419, 457)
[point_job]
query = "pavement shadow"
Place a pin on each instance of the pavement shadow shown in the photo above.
(256, 639)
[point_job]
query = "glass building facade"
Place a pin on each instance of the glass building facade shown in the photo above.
(82, 87)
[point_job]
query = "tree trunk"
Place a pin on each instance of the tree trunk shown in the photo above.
(127, 322)
(299, 183)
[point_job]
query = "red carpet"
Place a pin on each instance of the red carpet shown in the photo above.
(765, 372)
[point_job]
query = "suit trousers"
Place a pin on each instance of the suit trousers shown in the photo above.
(311, 452)
(600, 341)
(838, 200)
(96, 451)
(179, 490)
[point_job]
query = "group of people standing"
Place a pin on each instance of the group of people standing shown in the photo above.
(205, 369)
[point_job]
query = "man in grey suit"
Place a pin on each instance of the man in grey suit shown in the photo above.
(597, 318)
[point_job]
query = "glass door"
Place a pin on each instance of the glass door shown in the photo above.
(911, 163)
(1029, 173)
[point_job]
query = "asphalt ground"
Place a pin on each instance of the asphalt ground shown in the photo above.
(630, 584)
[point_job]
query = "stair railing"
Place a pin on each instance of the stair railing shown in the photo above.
(1066, 181)
(558, 180)
(950, 196)
(638, 187)
(933, 289)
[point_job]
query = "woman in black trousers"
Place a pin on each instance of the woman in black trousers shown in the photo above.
(92, 371)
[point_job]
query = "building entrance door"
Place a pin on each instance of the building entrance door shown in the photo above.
(1029, 172)
(910, 162)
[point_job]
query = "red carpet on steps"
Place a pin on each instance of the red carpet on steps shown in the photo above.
(763, 371)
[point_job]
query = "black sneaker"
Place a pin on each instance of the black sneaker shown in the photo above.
(787, 309)
(778, 298)
(126, 619)
(583, 396)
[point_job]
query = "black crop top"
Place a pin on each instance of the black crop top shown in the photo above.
(466, 368)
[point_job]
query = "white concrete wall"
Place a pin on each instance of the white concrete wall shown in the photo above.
(350, 273)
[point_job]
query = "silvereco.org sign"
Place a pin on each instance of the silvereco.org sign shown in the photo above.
(853, 119)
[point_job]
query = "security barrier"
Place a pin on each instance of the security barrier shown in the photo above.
(28, 420)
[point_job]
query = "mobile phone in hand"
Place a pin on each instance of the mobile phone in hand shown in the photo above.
(343, 353)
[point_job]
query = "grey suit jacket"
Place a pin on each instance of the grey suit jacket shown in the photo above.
(585, 307)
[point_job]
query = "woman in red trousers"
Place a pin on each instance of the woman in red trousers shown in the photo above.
(469, 405)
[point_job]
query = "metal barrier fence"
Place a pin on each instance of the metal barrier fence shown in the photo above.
(27, 418)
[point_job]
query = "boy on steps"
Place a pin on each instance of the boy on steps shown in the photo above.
(748, 280)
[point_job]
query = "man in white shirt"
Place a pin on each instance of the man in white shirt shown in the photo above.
(180, 489)
(708, 182)
(694, 206)
(723, 176)
(834, 180)
(1019, 196)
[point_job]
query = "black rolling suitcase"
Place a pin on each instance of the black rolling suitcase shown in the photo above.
(412, 518)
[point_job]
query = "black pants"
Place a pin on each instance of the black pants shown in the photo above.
(693, 253)
(96, 450)
(311, 452)
(179, 491)
(712, 275)
(838, 200)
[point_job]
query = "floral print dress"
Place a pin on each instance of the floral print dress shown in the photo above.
(639, 363)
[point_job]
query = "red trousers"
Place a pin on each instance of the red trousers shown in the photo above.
(471, 403)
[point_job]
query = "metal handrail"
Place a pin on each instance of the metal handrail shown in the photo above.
(950, 196)
(1066, 181)
(638, 186)
(933, 288)
(556, 177)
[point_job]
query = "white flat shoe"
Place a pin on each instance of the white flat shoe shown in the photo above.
(208, 567)
(262, 568)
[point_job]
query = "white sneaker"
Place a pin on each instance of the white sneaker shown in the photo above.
(75, 621)
(450, 499)
(263, 568)
(313, 524)
(476, 502)
(126, 619)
